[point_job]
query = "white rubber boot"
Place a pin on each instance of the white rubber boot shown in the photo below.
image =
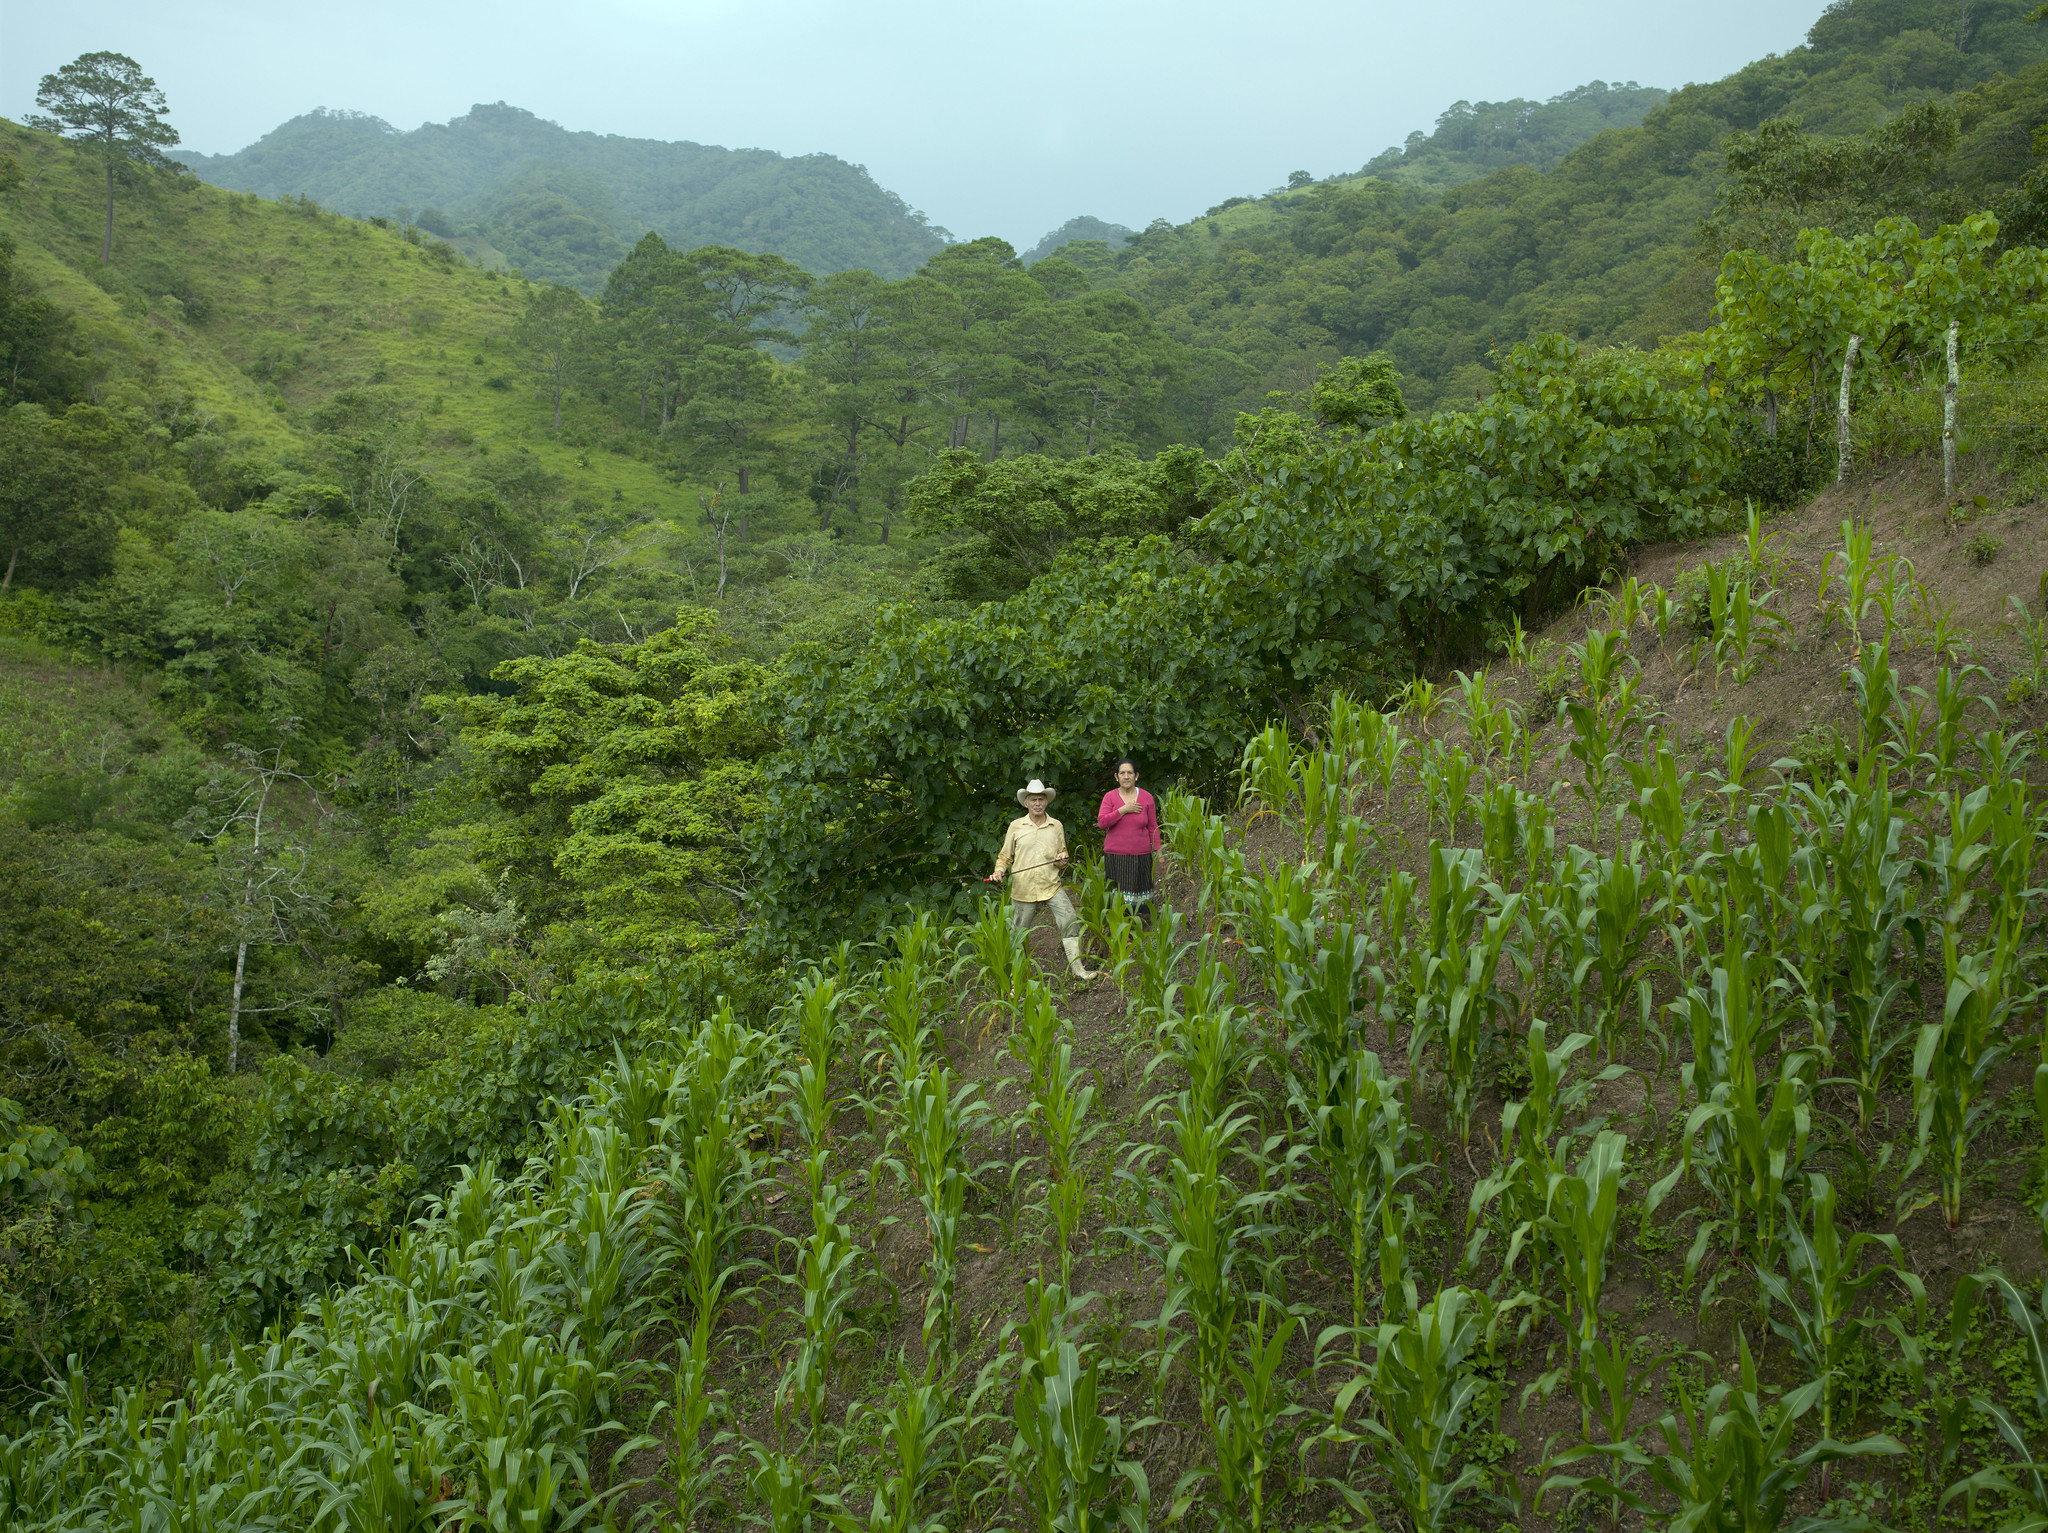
(1074, 965)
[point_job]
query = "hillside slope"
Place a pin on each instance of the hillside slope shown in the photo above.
(1475, 138)
(567, 206)
(259, 312)
(1603, 246)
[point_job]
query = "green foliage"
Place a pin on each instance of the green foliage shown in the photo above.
(1896, 288)
(1019, 513)
(1412, 536)
(630, 778)
(1475, 138)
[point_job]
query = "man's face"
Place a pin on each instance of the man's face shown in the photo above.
(1035, 802)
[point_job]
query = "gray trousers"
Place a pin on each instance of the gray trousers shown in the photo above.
(1023, 913)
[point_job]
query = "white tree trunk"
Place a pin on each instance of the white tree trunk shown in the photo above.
(235, 1006)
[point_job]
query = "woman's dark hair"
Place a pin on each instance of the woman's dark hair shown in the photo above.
(1128, 761)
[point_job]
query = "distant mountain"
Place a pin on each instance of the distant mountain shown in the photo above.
(1473, 139)
(1082, 228)
(514, 189)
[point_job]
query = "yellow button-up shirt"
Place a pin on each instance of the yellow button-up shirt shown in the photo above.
(1033, 849)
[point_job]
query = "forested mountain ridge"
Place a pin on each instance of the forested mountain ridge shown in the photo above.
(566, 206)
(1606, 244)
(1472, 139)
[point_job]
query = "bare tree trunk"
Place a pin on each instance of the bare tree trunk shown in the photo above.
(558, 396)
(1948, 420)
(1842, 412)
(235, 1005)
(107, 244)
(995, 439)
(12, 556)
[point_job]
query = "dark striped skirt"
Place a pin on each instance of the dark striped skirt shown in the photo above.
(1130, 874)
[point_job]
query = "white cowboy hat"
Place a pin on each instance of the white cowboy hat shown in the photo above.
(1035, 786)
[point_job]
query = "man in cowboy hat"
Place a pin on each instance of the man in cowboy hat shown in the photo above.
(1037, 848)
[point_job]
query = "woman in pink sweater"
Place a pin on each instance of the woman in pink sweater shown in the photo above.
(1130, 823)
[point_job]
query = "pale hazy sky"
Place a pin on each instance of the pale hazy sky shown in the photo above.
(991, 119)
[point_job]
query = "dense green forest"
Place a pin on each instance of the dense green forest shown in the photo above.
(1473, 139)
(502, 1020)
(513, 190)
(1082, 228)
(1605, 246)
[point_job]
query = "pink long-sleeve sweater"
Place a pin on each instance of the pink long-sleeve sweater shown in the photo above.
(1137, 831)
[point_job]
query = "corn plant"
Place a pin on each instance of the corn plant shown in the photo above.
(1424, 1383)
(1535, 1142)
(1579, 1226)
(1848, 579)
(827, 1264)
(1741, 622)
(1204, 1223)
(1821, 1324)
(1322, 783)
(1505, 812)
(1742, 1148)
(1199, 842)
(2031, 680)
(1877, 700)
(693, 1405)
(1491, 720)
(1323, 1000)
(914, 1432)
(1155, 956)
(1728, 1462)
(1597, 728)
(786, 1498)
(904, 993)
(1456, 998)
(1265, 772)
(1280, 921)
(1447, 775)
(1422, 699)
(1060, 1109)
(1620, 928)
(1251, 1431)
(1666, 808)
(1212, 1041)
(711, 1174)
(1955, 1057)
(938, 1116)
(1861, 917)
(1002, 952)
(2024, 1481)
(1366, 1142)
(1068, 1455)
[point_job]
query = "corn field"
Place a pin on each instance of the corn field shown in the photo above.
(1465, 1004)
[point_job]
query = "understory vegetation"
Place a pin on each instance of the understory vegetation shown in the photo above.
(1489, 1052)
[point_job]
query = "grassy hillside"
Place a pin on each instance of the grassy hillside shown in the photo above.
(565, 206)
(261, 311)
